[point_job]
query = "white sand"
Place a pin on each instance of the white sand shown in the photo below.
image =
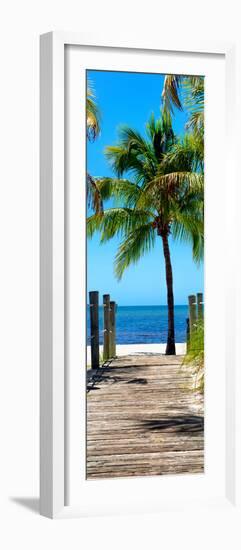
(128, 349)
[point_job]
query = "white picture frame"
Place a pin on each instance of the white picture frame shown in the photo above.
(53, 379)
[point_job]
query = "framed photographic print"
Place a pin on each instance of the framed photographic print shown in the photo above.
(138, 361)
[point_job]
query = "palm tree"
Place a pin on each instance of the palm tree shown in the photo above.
(92, 114)
(165, 196)
(192, 90)
(93, 131)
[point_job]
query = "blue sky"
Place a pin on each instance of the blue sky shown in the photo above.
(130, 98)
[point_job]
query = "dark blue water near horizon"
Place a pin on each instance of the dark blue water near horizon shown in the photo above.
(143, 324)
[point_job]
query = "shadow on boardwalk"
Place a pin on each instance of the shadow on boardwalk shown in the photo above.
(143, 420)
(179, 424)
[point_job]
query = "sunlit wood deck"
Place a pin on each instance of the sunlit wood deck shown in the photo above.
(142, 419)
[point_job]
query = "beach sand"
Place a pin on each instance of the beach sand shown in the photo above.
(127, 349)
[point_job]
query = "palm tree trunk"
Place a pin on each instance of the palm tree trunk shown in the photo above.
(170, 347)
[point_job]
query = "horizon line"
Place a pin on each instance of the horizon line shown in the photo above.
(145, 305)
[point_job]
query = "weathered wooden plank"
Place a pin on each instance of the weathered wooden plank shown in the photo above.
(129, 438)
(164, 469)
(147, 458)
(144, 439)
(144, 417)
(142, 448)
(141, 360)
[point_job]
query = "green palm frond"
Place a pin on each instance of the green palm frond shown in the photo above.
(138, 155)
(138, 243)
(196, 123)
(198, 247)
(190, 228)
(161, 134)
(94, 197)
(187, 154)
(170, 93)
(122, 159)
(168, 185)
(118, 189)
(92, 114)
(117, 222)
(94, 224)
(191, 89)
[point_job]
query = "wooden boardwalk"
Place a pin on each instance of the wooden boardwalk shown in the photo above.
(142, 419)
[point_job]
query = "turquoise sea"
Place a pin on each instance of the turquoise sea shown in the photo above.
(143, 324)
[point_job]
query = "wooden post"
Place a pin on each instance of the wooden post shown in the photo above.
(200, 306)
(192, 312)
(188, 332)
(112, 329)
(106, 306)
(94, 328)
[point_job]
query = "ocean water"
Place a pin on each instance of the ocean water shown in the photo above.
(143, 324)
